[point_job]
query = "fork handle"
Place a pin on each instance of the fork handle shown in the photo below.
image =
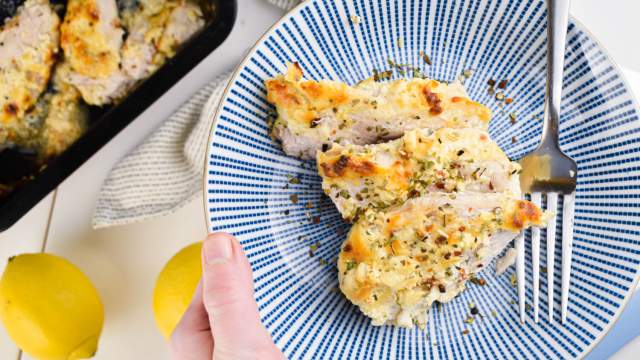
(558, 19)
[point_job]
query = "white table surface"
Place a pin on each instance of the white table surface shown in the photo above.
(123, 262)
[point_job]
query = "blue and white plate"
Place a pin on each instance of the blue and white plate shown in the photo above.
(248, 191)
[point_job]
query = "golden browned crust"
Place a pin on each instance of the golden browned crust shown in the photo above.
(304, 100)
(523, 213)
(312, 113)
(345, 166)
(85, 45)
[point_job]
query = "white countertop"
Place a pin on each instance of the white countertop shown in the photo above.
(123, 262)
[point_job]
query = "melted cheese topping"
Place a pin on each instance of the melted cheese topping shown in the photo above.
(331, 111)
(91, 37)
(422, 161)
(394, 264)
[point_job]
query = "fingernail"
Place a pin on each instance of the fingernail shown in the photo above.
(217, 249)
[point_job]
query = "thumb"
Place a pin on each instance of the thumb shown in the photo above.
(230, 304)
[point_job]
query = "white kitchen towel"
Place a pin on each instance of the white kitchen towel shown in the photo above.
(165, 171)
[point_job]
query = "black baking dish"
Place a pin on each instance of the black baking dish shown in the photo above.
(108, 121)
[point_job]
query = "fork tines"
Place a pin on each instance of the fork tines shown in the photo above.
(567, 243)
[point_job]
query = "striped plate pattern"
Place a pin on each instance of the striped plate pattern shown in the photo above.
(249, 191)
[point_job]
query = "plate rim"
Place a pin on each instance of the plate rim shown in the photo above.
(247, 56)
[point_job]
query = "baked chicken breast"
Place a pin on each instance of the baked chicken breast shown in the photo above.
(313, 114)
(156, 29)
(28, 46)
(423, 161)
(92, 37)
(186, 19)
(57, 120)
(396, 263)
(104, 65)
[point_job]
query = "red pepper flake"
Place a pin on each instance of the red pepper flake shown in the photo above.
(465, 332)
(425, 57)
(508, 100)
(440, 185)
(502, 84)
(293, 198)
(478, 281)
(316, 219)
(462, 228)
(433, 100)
(514, 140)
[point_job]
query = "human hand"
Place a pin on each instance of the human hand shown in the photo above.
(222, 321)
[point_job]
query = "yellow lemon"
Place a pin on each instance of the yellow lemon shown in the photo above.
(50, 308)
(175, 286)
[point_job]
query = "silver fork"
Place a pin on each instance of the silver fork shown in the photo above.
(547, 170)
